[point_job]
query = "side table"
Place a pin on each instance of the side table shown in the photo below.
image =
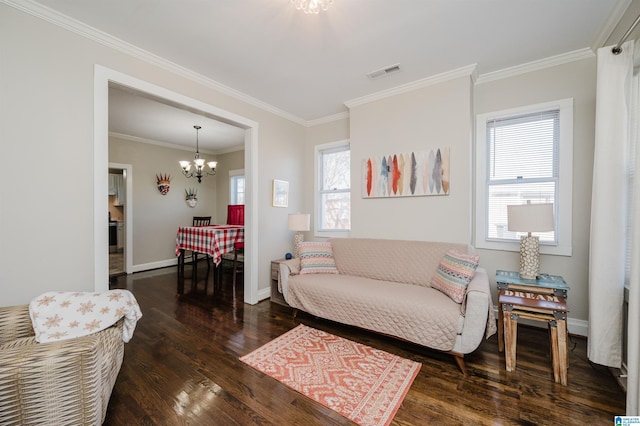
(541, 300)
(276, 296)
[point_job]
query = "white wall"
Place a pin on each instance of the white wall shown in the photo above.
(46, 125)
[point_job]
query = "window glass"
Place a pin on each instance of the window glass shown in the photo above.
(522, 167)
(236, 187)
(524, 155)
(333, 203)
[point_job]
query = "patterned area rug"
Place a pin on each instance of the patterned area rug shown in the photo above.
(364, 384)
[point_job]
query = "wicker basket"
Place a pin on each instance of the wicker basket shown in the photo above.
(60, 383)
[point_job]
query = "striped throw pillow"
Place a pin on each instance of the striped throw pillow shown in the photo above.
(316, 258)
(454, 274)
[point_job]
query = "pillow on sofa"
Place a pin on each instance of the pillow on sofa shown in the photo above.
(316, 258)
(454, 274)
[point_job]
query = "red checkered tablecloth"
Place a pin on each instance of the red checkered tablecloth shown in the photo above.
(214, 240)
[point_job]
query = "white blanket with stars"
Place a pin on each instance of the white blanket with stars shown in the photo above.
(60, 315)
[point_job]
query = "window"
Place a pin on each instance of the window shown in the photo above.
(524, 155)
(236, 186)
(333, 189)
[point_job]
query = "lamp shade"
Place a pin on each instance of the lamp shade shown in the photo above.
(530, 217)
(299, 222)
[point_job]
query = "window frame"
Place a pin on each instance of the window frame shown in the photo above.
(564, 207)
(318, 151)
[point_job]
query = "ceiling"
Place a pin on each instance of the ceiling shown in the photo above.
(308, 66)
(138, 116)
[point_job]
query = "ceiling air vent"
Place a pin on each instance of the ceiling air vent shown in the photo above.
(384, 71)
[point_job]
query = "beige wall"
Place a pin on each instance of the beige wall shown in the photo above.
(226, 162)
(443, 115)
(575, 80)
(47, 116)
(333, 131)
(432, 117)
(155, 216)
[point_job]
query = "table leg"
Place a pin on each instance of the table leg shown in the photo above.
(563, 363)
(510, 340)
(194, 272)
(553, 330)
(216, 276)
(500, 328)
(181, 272)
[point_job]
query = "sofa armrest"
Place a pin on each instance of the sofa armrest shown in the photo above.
(62, 381)
(479, 320)
(287, 268)
(15, 323)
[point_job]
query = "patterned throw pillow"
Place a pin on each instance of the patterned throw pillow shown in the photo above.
(316, 258)
(454, 274)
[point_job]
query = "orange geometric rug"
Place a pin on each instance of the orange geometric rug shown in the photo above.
(364, 384)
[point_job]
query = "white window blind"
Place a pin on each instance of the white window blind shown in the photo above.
(522, 167)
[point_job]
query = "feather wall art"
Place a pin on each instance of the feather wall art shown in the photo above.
(412, 174)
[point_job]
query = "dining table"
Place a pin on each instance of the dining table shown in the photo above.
(213, 240)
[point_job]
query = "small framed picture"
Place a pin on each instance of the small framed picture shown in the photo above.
(280, 193)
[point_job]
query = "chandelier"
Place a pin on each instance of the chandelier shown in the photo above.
(312, 6)
(198, 164)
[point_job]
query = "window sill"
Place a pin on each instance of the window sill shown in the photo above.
(558, 250)
(332, 234)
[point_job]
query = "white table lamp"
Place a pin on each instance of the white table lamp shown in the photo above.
(298, 222)
(530, 218)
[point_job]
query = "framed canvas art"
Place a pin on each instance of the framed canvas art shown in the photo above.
(409, 174)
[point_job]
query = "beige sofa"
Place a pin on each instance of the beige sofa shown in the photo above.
(385, 286)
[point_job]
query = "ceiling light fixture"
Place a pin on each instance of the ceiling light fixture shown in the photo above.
(198, 162)
(312, 6)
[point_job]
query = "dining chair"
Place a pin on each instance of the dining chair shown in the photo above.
(235, 216)
(200, 221)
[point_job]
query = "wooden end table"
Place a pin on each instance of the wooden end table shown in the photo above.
(542, 300)
(276, 296)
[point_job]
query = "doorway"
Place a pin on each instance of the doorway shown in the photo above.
(102, 78)
(119, 199)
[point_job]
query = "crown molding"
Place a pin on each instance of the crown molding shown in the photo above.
(138, 139)
(39, 11)
(467, 71)
(327, 119)
(549, 62)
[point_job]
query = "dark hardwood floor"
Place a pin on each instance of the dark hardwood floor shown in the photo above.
(182, 367)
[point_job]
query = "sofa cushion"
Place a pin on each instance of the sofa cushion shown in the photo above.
(454, 274)
(316, 258)
(410, 262)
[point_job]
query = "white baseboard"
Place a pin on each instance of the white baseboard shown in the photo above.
(264, 293)
(575, 326)
(153, 265)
